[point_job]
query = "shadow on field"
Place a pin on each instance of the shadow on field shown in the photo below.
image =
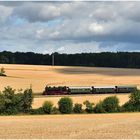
(14, 77)
(102, 71)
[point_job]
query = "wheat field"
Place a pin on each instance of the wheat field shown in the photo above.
(121, 125)
(99, 126)
(22, 76)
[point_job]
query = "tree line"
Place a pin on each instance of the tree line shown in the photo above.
(103, 59)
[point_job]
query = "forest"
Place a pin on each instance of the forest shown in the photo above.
(103, 59)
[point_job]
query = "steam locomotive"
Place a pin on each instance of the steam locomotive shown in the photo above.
(65, 90)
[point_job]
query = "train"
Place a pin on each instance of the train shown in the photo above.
(68, 90)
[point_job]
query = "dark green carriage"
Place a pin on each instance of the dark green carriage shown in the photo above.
(104, 89)
(125, 89)
(80, 90)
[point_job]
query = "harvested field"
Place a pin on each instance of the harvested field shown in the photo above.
(117, 126)
(69, 126)
(21, 76)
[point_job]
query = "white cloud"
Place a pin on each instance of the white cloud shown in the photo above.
(69, 26)
(39, 33)
(4, 12)
(95, 28)
(61, 49)
(54, 34)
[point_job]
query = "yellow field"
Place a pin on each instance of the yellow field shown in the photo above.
(119, 126)
(24, 75)
(80, 99)
(107, 126)
(21, 76)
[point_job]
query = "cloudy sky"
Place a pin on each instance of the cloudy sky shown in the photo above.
(69, 27)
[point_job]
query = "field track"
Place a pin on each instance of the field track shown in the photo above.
(119, 126)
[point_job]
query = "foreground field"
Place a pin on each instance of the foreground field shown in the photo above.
(117, 126)
(79, 99)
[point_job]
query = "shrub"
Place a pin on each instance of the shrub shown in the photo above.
(37, 111)
(26, 100)
(128, 106)
(2, 72)
(2, 104)
(134, 102)
(89, 106)
(65, 105)
(55, 110)
(99, 108)
(47, 107)
(111, 104)
(78, 108)
(11, 103)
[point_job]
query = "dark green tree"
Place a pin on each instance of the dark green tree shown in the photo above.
(111, 104)
(65, 105)
(89, 106)
(99, 108)
(47, 107)
(134, 102)
(77, 108)
(27, 99)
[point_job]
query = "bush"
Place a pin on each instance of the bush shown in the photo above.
(135, 99)
(99, 108)
(55, 110)
(26, 100)
(65, 105)
(111, 104)
(78, 108)
(128, 107)
(11, 103)
(89, 106)
(47, 107)
(2, 72)
(134, 102)
(2, 104)
(37, 111)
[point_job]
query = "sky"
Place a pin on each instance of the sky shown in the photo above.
(70, 27)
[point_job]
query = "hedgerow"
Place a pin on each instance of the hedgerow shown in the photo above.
(14, 102)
